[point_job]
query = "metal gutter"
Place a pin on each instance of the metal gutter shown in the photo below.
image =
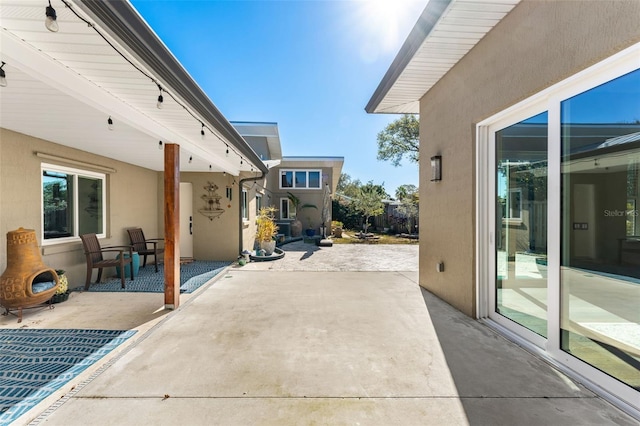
(426, 23)
(123, 22)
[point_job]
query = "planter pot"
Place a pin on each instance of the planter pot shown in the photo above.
(268, 247)
(296, 228)
(58, 298)
(310, 232)
(337, 232)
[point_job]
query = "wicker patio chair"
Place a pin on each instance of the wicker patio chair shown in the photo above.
(145, 247)
(95, 260)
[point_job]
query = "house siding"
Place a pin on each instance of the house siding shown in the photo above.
(538, 44)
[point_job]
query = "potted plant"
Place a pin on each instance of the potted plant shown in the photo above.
(310, 231)
(266, 229)
(62, 292)
(296, 225)
(336, 228)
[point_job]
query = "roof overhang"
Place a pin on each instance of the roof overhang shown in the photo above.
(444, 33)
(268, 132)
(62, 87)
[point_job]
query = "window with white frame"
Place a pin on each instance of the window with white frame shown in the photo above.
(300, 179)
(73, 203)
(287, 209)
(258, 203)
(245, 205)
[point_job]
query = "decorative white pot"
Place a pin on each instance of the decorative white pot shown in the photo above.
(268, 247)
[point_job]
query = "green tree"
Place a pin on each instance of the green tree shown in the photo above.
(368, 201)
(399, 139)
(405, 191)
(409, 198)
(348, 186)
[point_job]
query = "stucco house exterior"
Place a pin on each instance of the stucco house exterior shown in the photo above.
(102, 129)
(308, 178)
(532, 108)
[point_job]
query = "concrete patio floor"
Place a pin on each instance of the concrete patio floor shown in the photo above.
(280, 347)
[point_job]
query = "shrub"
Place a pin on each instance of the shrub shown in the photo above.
(267, 228)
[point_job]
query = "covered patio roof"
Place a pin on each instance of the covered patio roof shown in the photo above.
(444, 33)
(106, 62)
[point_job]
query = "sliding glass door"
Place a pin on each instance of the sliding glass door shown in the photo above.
(559, 224)
(600, 257)
(521, 223)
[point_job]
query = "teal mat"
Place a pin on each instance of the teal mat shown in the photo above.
(36, 363)
(192, 276)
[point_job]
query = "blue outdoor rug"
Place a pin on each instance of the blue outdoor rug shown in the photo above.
(192, 276)
(36, 363)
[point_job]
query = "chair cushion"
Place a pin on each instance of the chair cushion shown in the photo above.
(42, 286)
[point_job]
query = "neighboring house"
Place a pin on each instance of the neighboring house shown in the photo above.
(394, 220)
(533, 109)
(84, 146)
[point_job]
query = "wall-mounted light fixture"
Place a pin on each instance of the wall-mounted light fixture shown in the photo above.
(51, 20)
(436, 168)
(3, 76)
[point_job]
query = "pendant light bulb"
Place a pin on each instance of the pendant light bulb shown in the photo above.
(227, 150)
(241, 161)
(160, 98)
(202, 131)
(3, 77)
(191, 159)
(51, 21)
(160, 145)
(110, 123)
(209, 167)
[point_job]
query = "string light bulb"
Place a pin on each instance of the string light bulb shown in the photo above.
(190, 159)
(160, 145)
(227, 150)
(110, 123)
(241, 161)
(202, 131)
(51, 20)
(209, 167)
(160, 98)
(3, 76)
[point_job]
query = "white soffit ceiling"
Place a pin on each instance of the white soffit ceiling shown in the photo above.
(459, 28)
(62, 87)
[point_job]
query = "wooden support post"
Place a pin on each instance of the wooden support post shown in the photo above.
(171, 226)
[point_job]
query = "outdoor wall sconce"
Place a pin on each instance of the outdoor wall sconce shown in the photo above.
(436, 168)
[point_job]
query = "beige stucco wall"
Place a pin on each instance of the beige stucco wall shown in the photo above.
(538, 44)
(307, 196)
(131, 199)
(215, 239)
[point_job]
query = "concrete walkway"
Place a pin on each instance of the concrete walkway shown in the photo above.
(259, 347)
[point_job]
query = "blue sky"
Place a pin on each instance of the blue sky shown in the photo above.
(310, 66)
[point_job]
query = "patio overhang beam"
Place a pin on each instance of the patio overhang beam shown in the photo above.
(124, 23)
